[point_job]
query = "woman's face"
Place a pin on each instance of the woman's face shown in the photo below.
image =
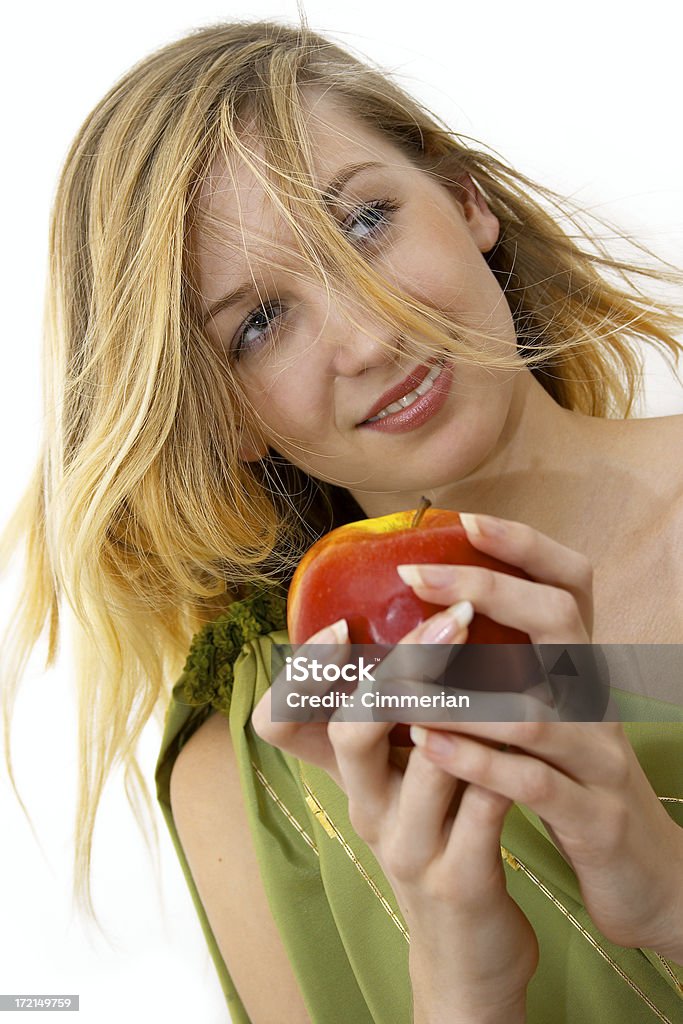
(310, 364)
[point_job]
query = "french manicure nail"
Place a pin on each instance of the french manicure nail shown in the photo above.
(480, 525)
(431, 741)
(418, 735)
(427, 575)
(469, 521)
(410, 574)
(337, 633)
(448, 624)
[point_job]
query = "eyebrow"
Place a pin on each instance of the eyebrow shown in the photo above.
(330, 195)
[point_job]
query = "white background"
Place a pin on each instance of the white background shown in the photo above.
(585, 97)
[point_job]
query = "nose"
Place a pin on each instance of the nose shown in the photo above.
(353, 338)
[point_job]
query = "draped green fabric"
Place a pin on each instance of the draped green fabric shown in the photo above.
(333, 906)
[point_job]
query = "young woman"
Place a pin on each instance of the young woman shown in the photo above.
(259, 245)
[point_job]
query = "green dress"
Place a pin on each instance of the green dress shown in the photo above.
(336, 912)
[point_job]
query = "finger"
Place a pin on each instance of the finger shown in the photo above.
(361, 752)
(295, 683)
(592, 753)
(449, 706)
(411, 660)
(538, 554)
(421, 656)
(473, 846)
(548, 614)
(307, 741)
(543, 558)
(424, 801)
(565, 803)
(446, 627)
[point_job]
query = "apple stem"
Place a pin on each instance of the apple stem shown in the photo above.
(425, 503)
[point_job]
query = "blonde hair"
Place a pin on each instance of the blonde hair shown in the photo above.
(141, 519)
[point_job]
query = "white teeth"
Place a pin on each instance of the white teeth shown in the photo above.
(412, 396)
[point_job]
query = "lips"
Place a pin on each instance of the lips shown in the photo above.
(412, 381)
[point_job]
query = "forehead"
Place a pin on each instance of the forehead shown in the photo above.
(238, 224)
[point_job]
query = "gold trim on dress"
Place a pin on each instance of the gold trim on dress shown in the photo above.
(587, 935)
(517, 865)
(285, 810)
(677, 983)
(513, 861)
(332, 831)
(320, 815)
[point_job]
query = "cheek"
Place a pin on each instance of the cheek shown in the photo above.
(283, 410)
(444, 266)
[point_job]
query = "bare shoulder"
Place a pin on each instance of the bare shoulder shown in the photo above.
(212, 825)
(211, 739)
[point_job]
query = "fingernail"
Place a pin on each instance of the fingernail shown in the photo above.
(418, 735)
(427, 575)
(480, 525)
(447, 625)
(337, 633)
(431, 741)
(410, 574)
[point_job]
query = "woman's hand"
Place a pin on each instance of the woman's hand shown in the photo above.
(583, 779)
(472, 950)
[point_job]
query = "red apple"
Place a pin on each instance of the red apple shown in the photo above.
(351, 573)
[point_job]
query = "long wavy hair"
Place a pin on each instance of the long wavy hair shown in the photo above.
(141, 522)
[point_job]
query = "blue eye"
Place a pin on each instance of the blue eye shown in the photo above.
(258, 319)
(373, 216)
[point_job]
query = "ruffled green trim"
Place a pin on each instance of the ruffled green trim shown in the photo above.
(208, 672)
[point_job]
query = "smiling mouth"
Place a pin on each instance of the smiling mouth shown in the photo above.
(412, 396)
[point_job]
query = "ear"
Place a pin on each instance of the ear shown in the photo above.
(484, 225)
